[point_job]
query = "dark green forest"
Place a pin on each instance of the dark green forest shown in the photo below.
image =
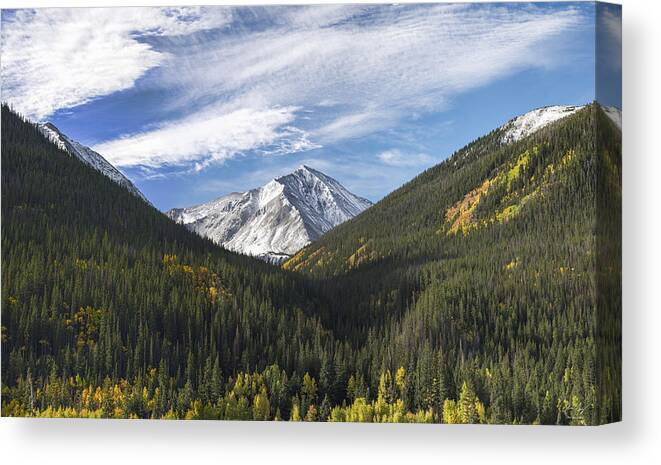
(486, 290)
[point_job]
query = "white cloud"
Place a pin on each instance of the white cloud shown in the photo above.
(395, 157)
(353, 125)
(376, 68)
(212, 137)
(362, 68)
(55, 58)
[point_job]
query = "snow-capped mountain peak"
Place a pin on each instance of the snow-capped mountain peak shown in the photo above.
(276, 220)
(528, 123)
(524, 125)
(324, 201)
(89, 157)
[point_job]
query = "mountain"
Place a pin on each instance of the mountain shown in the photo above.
(277, 219)
(508, 251)
(450, 197)
(89, 157)
(521, 126)
(485, 290)
(99, 286)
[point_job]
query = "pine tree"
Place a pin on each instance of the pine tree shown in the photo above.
(467, 404)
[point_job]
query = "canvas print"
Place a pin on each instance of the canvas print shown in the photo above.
(344, 213)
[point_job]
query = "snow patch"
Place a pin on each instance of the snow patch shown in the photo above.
(534, 120)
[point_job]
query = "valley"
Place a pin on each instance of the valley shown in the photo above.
(465, 296)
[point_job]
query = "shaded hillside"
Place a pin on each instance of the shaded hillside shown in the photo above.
(485, 265)
(99, 286)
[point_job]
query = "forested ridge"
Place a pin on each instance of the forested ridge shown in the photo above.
(468, 295)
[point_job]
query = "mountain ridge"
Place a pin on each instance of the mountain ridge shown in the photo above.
(532, 121)
(89, 157)
(520, 131)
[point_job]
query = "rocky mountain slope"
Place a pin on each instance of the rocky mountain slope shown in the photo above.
(276, 220)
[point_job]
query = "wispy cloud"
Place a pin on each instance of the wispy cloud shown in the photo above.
(56, 58)
(377, 63)
(211, 137)
(395, 157)
(274, 80)
(353, 125)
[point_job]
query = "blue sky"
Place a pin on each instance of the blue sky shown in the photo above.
(193, 103)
